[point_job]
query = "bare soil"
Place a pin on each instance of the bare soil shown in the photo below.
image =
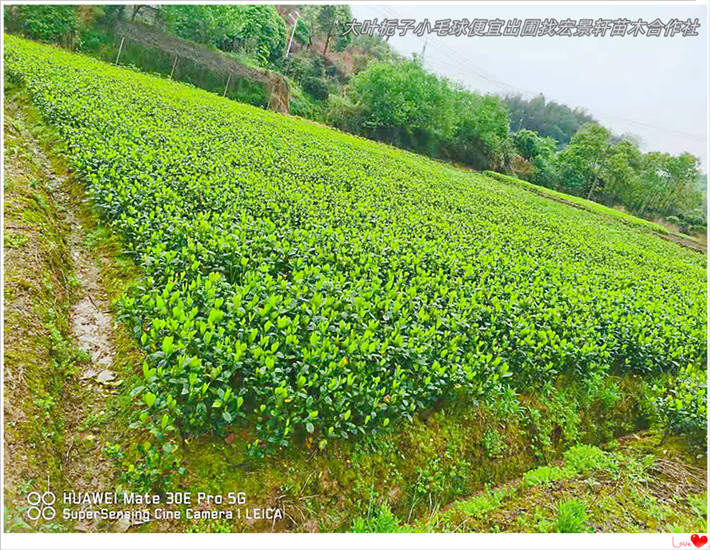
(49, 266)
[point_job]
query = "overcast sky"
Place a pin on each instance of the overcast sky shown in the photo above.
(655, 88)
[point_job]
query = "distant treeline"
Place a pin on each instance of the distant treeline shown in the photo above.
(360, 85)
(547, 118)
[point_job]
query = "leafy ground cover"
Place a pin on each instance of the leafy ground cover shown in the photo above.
(318, 286)
(635, 484)
(631, 486)
(582, 202)
(442, 455)
(687, 240)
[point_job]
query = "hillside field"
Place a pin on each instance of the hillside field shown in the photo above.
(304, 290)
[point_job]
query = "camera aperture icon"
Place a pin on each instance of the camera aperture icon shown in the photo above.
(41, 505)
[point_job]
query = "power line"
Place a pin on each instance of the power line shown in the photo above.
(654, 127)
(461, 62)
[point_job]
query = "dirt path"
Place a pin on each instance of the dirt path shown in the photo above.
(86, 468)
(86, 392)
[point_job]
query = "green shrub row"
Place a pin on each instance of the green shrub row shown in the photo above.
(321, 286)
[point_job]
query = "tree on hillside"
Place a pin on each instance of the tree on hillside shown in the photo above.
(259, 29)
(668, 184)
(580, 165)
(137, 8)
(302, 32)
(621, 171)
(480, 136)
(538, 151)
(367, 48)
(56, 24)
(531, 145)
(400, 102)
(547, 118)
(199, 22)
(603, 168)
(330, 19)
(404, 104)
(326, 21)
(252, 29)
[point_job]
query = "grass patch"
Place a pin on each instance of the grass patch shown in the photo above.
(572, 516)
(644, 485)
(39, 355)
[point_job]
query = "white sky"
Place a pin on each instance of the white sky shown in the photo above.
(655, 88)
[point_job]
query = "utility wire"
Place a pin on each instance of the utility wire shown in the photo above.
(461, 62)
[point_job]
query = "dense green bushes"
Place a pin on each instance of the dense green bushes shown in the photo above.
(48, 23)
(401, 103)
(681, 402)
(249, 29)
(371, 91)
(322, 286)
(596, 165)
(546, 118)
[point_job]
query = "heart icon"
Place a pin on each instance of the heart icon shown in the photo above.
(699, 541)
